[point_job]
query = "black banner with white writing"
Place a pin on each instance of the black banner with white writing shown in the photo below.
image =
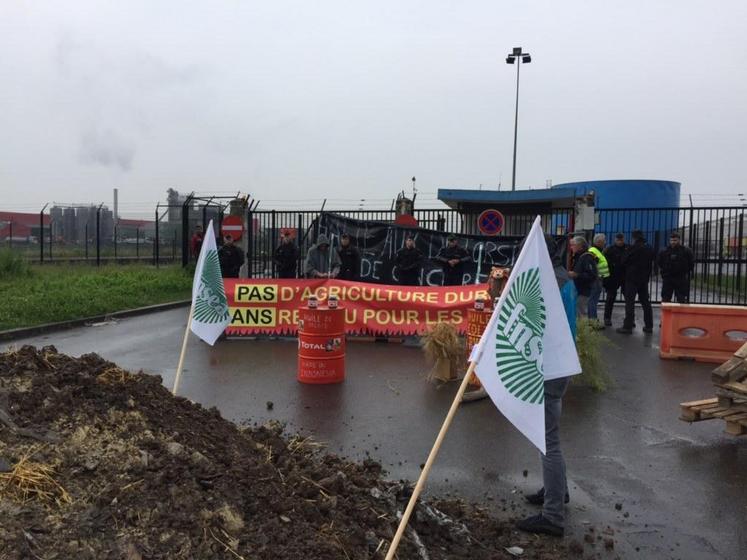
(378, 243)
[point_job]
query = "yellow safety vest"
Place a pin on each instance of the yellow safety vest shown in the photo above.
(602, 267)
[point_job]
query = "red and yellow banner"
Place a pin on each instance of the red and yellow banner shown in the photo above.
(270, 306)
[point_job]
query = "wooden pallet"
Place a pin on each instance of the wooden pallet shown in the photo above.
(730, 402)
(708, 409)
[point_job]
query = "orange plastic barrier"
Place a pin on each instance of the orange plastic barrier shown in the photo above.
(321, 345)
(706, 333)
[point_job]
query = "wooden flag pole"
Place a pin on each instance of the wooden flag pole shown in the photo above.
(184, 351)
(431, 458)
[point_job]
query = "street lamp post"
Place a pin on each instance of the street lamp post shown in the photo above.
(517, 57)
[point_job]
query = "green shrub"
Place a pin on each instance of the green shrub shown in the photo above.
(590, 343)
(12, 264)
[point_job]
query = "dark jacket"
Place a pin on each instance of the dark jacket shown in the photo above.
(452, 274)
(637, 261)
(614, 256)
(350, 259)
(286, 257)
(231, 258)
(676, 262)
(408, 263)
(320, 261)
(586, 272)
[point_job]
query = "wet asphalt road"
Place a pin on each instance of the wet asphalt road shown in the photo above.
(681, 489)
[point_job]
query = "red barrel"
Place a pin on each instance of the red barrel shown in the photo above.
(477, 320)
(321, 345)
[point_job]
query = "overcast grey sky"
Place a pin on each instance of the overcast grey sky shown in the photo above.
(294, 101)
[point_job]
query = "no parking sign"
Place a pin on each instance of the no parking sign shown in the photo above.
(490, 222)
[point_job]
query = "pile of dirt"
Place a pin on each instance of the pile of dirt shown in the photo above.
(99, 463)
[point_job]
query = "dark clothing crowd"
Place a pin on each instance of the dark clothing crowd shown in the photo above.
(627, 269)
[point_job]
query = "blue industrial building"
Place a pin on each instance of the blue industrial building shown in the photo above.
(608, 207)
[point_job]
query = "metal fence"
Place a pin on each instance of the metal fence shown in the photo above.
(90, 234)
(266, 226)
(716, 235)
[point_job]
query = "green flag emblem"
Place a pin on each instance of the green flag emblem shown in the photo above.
(210, 304)
(518, 349)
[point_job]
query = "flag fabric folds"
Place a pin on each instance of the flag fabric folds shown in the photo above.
(210, 315)
(527, 341)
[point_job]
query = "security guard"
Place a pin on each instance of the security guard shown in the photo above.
(408, 261)
(676, 263)
(452, 259)
(616, 280)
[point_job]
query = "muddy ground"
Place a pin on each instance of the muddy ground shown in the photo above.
(101, 463)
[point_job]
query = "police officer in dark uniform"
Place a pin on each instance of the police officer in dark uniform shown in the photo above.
(408, 261)
(286, 256)
(676, 263)
(616, 280)
(637, 260)
(452, 259)
(230, 257)
(350, 257)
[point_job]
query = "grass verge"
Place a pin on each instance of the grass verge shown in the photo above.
(47, 294)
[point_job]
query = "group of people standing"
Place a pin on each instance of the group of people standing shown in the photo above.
(344, 263)
(321, 261)
(627, 268)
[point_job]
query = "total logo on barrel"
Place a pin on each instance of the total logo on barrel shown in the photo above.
(332, 345)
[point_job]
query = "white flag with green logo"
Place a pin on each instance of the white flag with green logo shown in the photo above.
(210, 314)
(527, 341)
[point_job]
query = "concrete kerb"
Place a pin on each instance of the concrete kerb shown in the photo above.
(25, 332)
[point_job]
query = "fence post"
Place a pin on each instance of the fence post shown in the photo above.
(720, 255)
(137, 242)
(50, 238)
(273, 243)
(155, 241)
(740, 241)
(185, 231)
(10, 231)
(41, 235)
(249, 244)
(173, 248)
(299, 261)
(85, 241)
(115, 242)
(98, 236)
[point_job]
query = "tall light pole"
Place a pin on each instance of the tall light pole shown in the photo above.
(517, 57)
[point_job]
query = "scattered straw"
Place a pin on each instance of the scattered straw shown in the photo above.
(301, 444)
(113, 375)
(33, 481)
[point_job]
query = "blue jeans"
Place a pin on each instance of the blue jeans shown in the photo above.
(553, 464)
(596, 292)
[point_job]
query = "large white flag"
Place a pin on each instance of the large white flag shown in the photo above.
(210, 314)
(527, 341)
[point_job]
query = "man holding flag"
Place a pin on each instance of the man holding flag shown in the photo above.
(529, 323)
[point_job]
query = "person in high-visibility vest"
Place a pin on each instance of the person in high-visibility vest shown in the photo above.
(603, 270)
